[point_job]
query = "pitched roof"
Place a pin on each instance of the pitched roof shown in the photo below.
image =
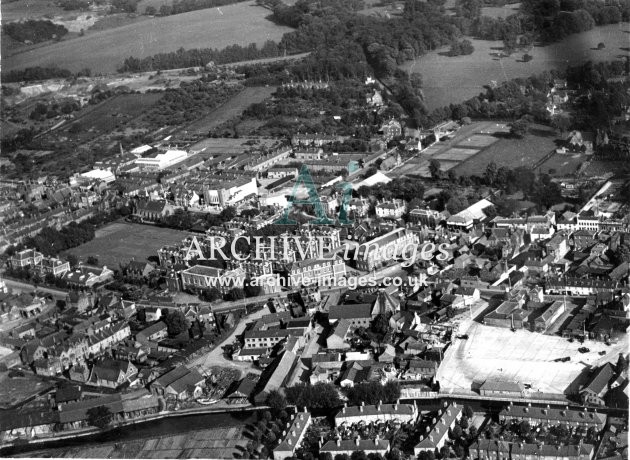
(501, 385)
(559, 415)
(350, 311)
(599, 379)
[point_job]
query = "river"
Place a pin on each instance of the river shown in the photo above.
(151, 429)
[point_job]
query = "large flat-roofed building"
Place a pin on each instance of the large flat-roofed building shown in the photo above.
(223, 193)
(372, 254)
(465, 219)
(158, 161)
(104, 175)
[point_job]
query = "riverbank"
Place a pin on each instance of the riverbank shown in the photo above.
(164, 422)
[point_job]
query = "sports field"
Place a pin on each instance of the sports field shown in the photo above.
(522, 356)
(121, 241)
(510, 152)
(105, 50)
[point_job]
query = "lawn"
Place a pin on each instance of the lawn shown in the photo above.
(120, 242)
(450, 80)
(563, 164)
(500, 11)
(104, 51)
(511, 152)
(231, 109)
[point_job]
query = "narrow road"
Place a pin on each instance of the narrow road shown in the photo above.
(26, 287)
(215, 357)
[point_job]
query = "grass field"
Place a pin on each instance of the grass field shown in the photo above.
(120, 242)
(232, 108)
(455, 79)
(31, 9)
(104, 51)
(563, 165)
(500, 11)
(511, 153)
(521, 356)
(456, 154)
(112, 113)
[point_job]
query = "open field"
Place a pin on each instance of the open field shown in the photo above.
(120, 242)
(456, 154)
(104, 51)
(511, 153)
(14, 390)
(521, 356)
(563, 164)
(232, 108)
(31, 9)
(455, 79)
(500, 11)
(114, 112)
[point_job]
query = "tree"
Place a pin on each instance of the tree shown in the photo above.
(61, 305)
(468, 412)
(519, 127)
(527, 57)
(457, 432)
(175, 322)
(236, 294)
(524, 428)
(251, 290)
(445, 452)
(99, 416)
(150, 11)
(72, 260)
(434, 168)
(601, 45)
(358, 455)
(92, 260)
(472, 432)
(211, 294)
(380, 325)
(319, 396)
(276, 401)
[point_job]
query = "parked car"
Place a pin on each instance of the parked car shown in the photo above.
(563, 360)
(584, 349)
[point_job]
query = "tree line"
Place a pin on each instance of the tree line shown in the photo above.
(42, 73)
(200, 57)
(184, 6)
(35, 31)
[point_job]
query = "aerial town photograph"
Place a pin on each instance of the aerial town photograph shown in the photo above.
(315, 229)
